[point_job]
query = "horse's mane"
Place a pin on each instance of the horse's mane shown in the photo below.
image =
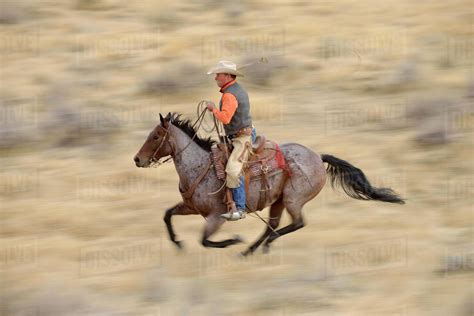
(187, 127)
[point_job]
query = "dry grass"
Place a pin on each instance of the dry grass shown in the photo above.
(83, 83)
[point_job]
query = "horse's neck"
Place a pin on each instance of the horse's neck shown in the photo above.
(191, 160)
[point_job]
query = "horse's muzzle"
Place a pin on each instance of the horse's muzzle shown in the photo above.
(139, 163)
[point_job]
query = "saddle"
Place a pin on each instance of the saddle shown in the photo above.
(265, 159)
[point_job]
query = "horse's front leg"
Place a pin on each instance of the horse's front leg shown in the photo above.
(178, 209)
(213, 222)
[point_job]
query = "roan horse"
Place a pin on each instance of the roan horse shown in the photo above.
(177, 139)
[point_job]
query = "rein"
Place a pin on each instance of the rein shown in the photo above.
(156, 162)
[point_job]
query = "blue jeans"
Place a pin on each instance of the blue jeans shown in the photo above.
(239, 192)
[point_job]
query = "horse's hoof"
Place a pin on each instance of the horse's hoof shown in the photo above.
(179, 244)
(238, 239)
(266, 249)
(246, 253)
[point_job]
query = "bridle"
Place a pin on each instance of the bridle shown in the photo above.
(154, 162)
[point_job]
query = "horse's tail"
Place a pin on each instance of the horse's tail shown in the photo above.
(354, 182)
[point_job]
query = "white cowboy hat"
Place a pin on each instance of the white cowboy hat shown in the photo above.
(226, 67)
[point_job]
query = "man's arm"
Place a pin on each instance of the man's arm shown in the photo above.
(229, 105)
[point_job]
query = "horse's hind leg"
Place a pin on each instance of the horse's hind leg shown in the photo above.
(178, 209)
(275, 215)
(294, 209)
(213, 222)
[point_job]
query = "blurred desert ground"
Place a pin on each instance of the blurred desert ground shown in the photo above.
(387, 86)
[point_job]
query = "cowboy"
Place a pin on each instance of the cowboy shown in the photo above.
(234, 113)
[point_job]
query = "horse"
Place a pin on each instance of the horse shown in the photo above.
(176, 138)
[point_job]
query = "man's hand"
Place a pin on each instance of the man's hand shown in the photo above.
(210, 105)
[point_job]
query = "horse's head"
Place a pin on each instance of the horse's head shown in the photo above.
(156, 145)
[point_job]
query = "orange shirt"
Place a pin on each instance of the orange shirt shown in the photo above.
(229, 105)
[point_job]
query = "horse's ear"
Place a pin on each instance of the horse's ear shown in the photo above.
(165, 121)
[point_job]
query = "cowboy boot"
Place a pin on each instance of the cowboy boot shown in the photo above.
(233, 213)
(234, 216)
